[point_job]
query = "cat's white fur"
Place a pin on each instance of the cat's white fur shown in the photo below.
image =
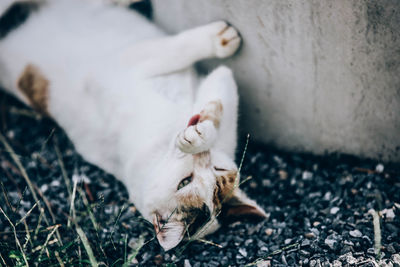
(124, 92)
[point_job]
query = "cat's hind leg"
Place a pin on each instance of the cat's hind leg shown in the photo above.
(173, 53)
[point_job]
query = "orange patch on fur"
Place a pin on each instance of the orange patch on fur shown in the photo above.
(34, 85)
(191, 200)
(224, 188)
(213, 112)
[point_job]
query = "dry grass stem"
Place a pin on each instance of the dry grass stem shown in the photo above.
(3, 189)
(47, 140)
(3, 261)
(48, 239)
(28, 238)
(26, 215)
(53, 217)
(51, 242)
(377, 232)
(59, 259)
(89, 210)
(38, 223)
(86, 245)
(16, 238)
(63, 171)
(26, 113)
(21, 168)
(116, 221)
(72, 205)
(209, 243)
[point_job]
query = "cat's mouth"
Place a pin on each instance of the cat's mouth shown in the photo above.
(197, 219)
(183, 223)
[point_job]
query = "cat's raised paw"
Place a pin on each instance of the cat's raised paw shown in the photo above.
(197, 137)
(226, 41)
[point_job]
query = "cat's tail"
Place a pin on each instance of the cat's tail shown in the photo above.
(15, 12)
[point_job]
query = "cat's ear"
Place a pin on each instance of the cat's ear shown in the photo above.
(240, 207)
(169, 234)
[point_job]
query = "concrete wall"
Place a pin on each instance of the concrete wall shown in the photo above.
(316, 76)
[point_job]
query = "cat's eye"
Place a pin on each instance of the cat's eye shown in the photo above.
(219, 169)
(184, 182)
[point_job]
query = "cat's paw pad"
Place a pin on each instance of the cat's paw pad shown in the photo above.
(197, 138)
(226, 41)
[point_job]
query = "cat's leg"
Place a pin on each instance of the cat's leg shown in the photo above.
(173, 53)
(214, 120)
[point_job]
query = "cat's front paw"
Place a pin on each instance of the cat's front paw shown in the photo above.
(202, 128)
(197, 138)
(226, 41)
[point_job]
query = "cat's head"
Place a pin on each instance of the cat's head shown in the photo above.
(194, 194)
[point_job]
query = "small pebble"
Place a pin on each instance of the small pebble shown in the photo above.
(331, 243)
(389, 214)
(371, 251)
(11, 134)
(315, 231)
(243, 252)
(355, 233)
(337, 263)
(391, 249)
(327, 196)
(334, 210)
(80, 178)
(55, 183)
(349, 243)
(288, 241)
(44, 188)
(304, 253)
(269, 231)
(264, 263)
(248, 242)
(283, 175)
(253, 185)
(305, 243)
(266, 183)
(316, 223)
(307, 175)
(396, 259)
(379, 168)
(350, 259)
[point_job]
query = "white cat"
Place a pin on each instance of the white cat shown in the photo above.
(128, 97)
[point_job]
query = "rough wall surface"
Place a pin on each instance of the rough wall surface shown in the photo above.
(316, 76)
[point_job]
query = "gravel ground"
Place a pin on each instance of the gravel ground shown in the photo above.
(319, 208)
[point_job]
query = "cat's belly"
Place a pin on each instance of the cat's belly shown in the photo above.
(118, 119)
